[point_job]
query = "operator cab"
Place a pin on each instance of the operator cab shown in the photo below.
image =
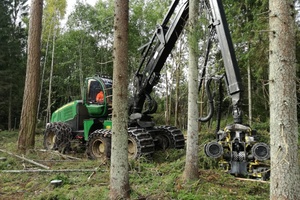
(97, 85)
(98, 96)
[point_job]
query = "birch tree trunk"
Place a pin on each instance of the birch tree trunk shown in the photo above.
(178, 61)
(81, 69)
(119, 178)
(176, 121)
(30, 98)
(167, 109)
(191, 163)
(43, 73)
(51, 76)
(285, 181)
(249, 92)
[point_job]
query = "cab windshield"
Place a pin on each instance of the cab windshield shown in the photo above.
(95, 87)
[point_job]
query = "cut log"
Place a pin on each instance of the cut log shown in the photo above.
(26, 159)
(47, 171)
(253, 180)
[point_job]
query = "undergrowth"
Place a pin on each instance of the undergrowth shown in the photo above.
(158, 177)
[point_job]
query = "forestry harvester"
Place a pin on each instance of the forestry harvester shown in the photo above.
(89, 120)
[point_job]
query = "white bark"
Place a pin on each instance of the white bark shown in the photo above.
(51, 76)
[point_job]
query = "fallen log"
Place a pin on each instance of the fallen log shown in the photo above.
(48, 171)
(67, 156)
(253, 180)
(26, 159)
(61, 155)
(97, 169)
(49, 161)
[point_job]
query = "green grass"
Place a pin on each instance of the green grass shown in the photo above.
(155, 178)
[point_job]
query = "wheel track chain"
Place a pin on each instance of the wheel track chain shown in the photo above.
(63, 133)
(103, 132)
(99, 133)
(176, 135)
(144, 141)
(145, 144)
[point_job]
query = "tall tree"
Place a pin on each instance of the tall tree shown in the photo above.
(54, 11)
(119, 178)
(285, 175)
(30, 98)
(191, 162)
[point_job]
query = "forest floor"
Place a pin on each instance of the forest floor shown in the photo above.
(155, 178)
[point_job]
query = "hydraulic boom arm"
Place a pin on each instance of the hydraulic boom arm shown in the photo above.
(233, 77)
(155, 53)
(235, 147)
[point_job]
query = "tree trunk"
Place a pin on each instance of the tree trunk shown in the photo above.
(81, 69)
(51, 76)
(41, 86)
(167, 111)
(191, 163)
(249, 82)
(43, 72)
(178, 76)
(285, 181)
(249, 93)
(9, 125)
(30, 98)
(170, 103)
(119, 178)
(177, 94)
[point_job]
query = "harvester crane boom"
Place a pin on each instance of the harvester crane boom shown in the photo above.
(156, 52)
(233, 77)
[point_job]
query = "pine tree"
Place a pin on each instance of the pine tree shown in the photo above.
(30, 98)
(285, 175)
(119, 178)
(191, 163)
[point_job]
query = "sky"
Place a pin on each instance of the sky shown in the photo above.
(70, 7)
(71, 4)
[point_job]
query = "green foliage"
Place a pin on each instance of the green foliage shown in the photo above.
(54, 10)
(8, 164)
(12, 60)
(144, 16)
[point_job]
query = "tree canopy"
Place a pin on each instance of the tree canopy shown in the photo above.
(83, 47)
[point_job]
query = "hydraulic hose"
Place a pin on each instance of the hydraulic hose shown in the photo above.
(210, 101)
(152, 105)
(219, 109)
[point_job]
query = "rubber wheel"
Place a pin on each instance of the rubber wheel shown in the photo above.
(49, 140)
(174, 135)
(164, 141)
(132, 148)
(98, 146)
(57, 136)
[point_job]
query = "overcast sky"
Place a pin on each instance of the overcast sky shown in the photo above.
(71, 4)
(70, 7)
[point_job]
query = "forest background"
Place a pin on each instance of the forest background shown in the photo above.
(81, 46)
